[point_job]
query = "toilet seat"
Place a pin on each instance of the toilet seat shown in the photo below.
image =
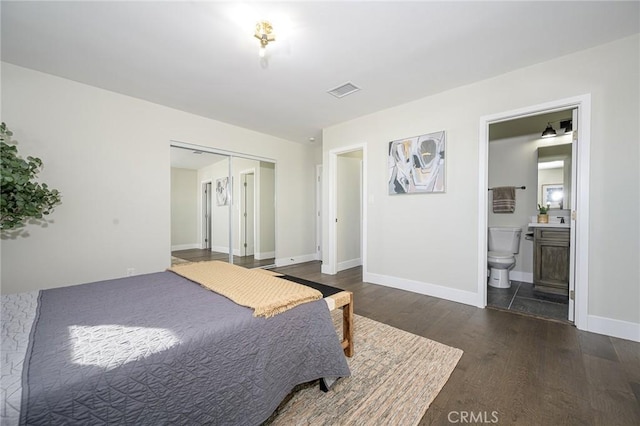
(499, 255)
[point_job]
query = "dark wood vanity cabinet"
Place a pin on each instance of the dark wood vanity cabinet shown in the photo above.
(551, 260)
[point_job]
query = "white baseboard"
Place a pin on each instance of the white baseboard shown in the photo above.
(348, 264)
(285, 261)
(525, 277)
(186, 246)
(614, 328)
(264, 255)
(220, 249)
(452, 294)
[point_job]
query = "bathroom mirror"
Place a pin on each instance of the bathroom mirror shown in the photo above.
(554, 176)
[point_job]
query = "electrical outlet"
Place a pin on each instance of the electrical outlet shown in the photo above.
(131, 271)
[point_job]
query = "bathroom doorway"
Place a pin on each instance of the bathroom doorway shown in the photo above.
(347, 213)
(510, 146)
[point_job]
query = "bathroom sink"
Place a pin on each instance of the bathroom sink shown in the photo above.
(549, 225)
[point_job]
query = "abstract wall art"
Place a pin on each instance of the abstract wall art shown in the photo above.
(222, 191)
(416, 164)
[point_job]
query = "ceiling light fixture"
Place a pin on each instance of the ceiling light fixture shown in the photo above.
(264, 33)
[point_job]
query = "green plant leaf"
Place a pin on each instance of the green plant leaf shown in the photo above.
(23, 198)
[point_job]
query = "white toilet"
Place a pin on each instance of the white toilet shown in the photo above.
(504, 242)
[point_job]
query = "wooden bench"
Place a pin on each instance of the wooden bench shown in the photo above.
(344, 301)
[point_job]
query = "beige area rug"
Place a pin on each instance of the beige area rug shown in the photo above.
(395, 376)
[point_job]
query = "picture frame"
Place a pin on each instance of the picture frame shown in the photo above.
(222, 191)
(552, 195)
(417, 164)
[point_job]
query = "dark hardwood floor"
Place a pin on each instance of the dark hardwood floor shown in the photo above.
(200, 255)
(515, 369)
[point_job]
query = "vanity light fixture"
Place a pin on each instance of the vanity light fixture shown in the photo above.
(567, 125)
(264, 33)
(549, 132)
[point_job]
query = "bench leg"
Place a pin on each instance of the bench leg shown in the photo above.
(347, 327)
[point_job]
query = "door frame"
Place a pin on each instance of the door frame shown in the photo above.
(330, 261)
(579, 211)
(319, 212)
(206, 198)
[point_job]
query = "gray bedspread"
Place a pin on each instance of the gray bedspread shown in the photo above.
(158, 349)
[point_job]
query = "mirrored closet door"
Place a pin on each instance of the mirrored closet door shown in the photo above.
(222, 207)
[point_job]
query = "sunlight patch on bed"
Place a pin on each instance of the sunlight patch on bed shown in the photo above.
(111, 345)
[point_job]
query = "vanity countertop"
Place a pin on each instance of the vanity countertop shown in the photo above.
(549, 225)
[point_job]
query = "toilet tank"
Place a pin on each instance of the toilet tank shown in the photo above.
(506, 239)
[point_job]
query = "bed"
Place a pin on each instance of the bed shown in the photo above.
(159, 349)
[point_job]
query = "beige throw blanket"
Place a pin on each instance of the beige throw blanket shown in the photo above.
(265, 294)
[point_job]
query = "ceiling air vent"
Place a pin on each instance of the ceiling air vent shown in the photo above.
(343, 90)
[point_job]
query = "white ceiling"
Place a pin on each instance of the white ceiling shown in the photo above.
(201, 57)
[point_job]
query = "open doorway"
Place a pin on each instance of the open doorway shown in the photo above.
(529, 262)
(568, 227)
(347, 217)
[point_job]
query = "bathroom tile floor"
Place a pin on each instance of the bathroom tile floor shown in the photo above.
(521, 297)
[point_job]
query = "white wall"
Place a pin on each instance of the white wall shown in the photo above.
(184, 205)
(266, 200)
(429, 243)
(109, 156)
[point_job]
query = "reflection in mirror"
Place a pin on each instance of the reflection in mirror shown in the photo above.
(253, 212)
(200, 203)
(554, 176)
(222, 208)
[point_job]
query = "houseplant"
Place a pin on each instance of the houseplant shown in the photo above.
(23, 198)
(543, 216)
